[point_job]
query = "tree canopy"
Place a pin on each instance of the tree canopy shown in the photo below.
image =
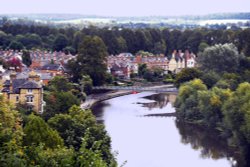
(91, 60)
(220, 58)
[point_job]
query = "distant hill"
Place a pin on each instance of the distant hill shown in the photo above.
(188, 21)
(63, 17)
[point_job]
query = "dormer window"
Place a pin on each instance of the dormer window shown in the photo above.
(29, 90)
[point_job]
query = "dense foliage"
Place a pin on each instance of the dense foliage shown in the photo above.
(19, 36)
(220, 58)
(91, 60)
(219, 97)
(150, 75)
(72, 139)
(60, 97)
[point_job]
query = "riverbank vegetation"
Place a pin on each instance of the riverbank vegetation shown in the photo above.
(64, 135)
(218, 96)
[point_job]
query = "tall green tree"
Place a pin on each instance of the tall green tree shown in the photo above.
(220, 58)
(91, 60)
(60, 42)
(79, 124)
(11, 136)
(26, 58)
(37, 132)
(142, 69)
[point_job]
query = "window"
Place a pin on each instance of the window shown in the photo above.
(29, 99)
(29, 90)
(17, 98)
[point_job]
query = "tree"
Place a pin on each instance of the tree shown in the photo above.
(15, 45)
(38, 132)
(210, 104)
(69, 50)
(92, 155)
(210, 78)
(29, 40)
(78, 36)
(77, 124)
(142, 69)
(142, 41)
(130, 38)
(56, 157)
(220, 58)
(159, 47)
(11, 135)
(236, 112)
(203, 46)
(109, 38)
(86, 84)
(56, 84)
(194, 40)
(244, 40)
(58, 102)
(26, 58)
(186, 75)
(187, 101)
(4, 40)
(60, 42)
(122, 45)
(91, 60)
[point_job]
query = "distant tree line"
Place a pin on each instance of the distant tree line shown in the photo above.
(24, 36)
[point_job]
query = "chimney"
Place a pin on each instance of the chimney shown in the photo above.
(186, 57)
(33, 76)
(12, 77)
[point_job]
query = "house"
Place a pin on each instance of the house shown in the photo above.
(53, 69)
(153, 61)
(122, 65)
(180, 60)
(27, 91)
(44, 77)
(120, 71)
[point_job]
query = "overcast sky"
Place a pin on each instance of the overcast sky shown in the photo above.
(125, 7)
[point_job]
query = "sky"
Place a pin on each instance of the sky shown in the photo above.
(125, 7)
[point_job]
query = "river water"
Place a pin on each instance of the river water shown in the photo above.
(153, 141)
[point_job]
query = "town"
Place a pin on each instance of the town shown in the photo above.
(124, 83)
(24, 84)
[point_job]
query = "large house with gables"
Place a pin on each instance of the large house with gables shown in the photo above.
(27, 91)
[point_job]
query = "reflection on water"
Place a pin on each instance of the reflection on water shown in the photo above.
(159, 100)
(206, 141)
(98, 111)
(158, 141)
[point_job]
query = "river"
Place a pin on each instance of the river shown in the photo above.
(150, 141)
